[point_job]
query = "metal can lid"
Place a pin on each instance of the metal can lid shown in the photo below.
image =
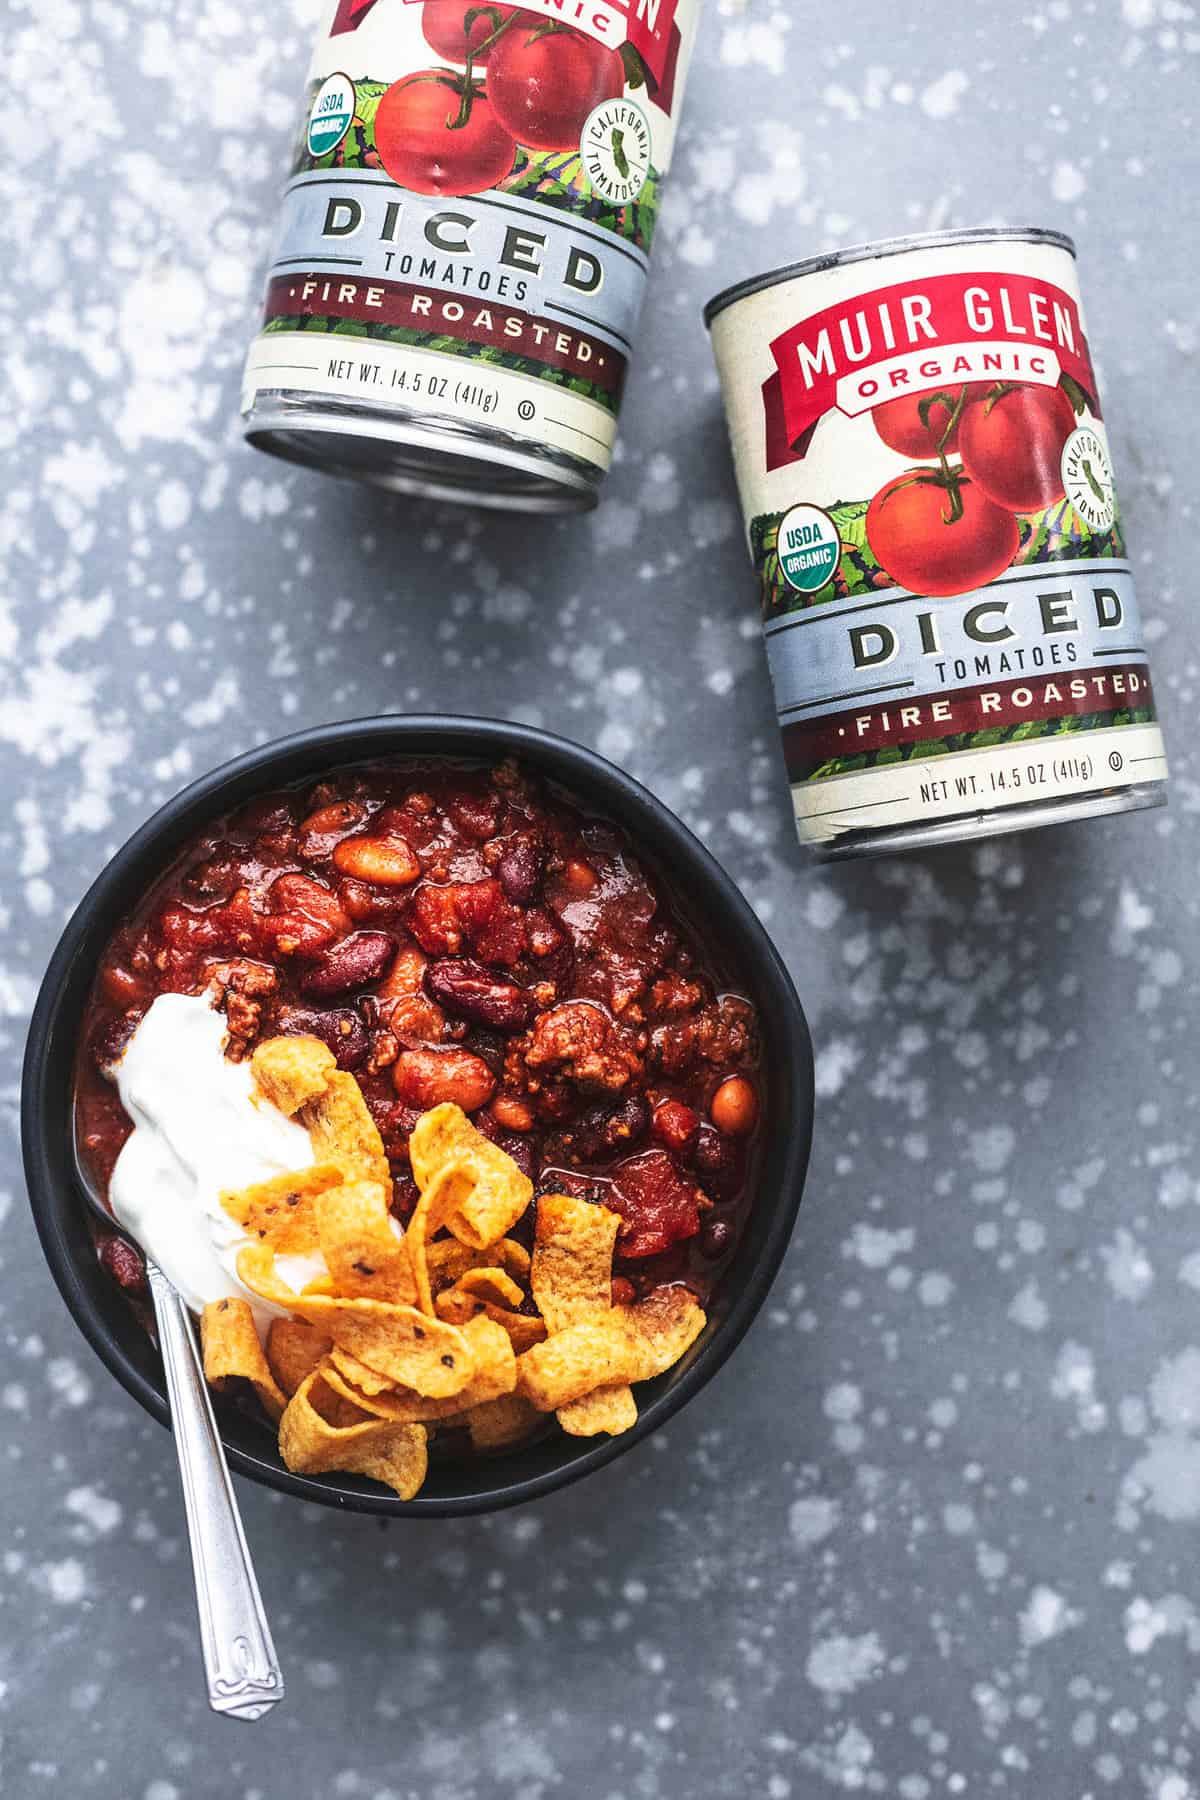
(895, 246)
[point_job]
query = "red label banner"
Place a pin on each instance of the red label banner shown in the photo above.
(472, 321)
(898, 723)
(841, 359)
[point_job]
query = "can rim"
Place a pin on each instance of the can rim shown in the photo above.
(870, 252)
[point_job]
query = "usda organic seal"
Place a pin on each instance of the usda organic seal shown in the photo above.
(332, 114)
(809, 548)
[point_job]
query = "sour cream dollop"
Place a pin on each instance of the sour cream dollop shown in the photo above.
(201, 1128)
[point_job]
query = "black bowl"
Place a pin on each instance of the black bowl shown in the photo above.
(699, 887)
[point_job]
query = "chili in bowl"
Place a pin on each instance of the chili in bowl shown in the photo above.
(462, 921)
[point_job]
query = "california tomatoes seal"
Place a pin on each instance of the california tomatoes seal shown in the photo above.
(436, 133)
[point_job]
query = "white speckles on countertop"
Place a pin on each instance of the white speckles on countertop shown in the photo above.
(933, 1531)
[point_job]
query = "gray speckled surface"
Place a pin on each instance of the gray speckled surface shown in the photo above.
(934, 1531)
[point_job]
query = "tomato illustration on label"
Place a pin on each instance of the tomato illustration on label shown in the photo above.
(545, 80)
(1013, 443)
(458, 29)
(436, 133)
(922, 424)
(939, 534)
(1009, 438)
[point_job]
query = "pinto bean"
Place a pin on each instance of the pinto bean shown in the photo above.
(357, 962)
(428, 1077)
(406, 974)
(512, 1114)
(383, 861)
(580, 878)
(733, 1109)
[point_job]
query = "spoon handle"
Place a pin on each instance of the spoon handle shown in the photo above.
(244, 1677)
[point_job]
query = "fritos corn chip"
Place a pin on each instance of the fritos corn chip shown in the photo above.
(365, 1256)
(495, 1374)
(397, 1341)
(490, 1284)
(282, 1212)
(608, 1411)
(445, 1260)
(310, 1444)
(502, 1423)
(457, 1305)
(628, 1343)
(291, 1071)
(294, 1350)
(343, 1131)
(231, 1347)
(571, 1272)
(571, 1278)
(480, 1192)
(357, 1374)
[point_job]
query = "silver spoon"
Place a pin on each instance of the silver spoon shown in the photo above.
(240, 1664)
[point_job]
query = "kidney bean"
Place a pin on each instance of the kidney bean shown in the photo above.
(623, 1291)
(384, 862)
(270, 813)
(677, 1126)
(109, 1041)
(124, 1264)
(470, 991)
(716, 1237)
(718, 1162)
(600, 1130)
(428, 1077)
(213, 879)
(357, 962)
(340, 1028)
(733, 1109)
(519, 871)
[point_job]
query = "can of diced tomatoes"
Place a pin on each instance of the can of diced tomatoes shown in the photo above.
(948, 605)
(454, 295)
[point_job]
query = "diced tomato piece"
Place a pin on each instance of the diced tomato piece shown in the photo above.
(659, 1207)
(434, 920)
(304, 916)
(494, 925)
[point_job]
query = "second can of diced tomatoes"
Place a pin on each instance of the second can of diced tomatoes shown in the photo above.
(949, 608)
(451, 306)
